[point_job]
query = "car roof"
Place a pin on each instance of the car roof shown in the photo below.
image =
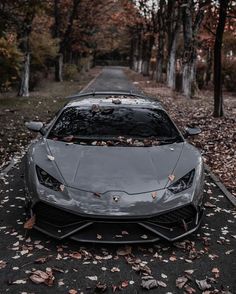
(113, 99)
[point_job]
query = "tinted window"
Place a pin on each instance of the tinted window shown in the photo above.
(104, 122)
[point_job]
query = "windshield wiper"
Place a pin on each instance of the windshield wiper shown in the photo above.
(171, 140)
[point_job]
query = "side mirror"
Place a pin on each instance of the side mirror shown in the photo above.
(191, 131)
(35, 126)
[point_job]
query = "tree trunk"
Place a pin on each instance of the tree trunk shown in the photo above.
(171, 71)
(188, 78)
(66, 39)
(190, 31)
(218, 97)
(25, 48)
(138, 66)
(173, 37)
(24, 85)
(58, 68)
(161, 37)
(209, 66)
(147, 55)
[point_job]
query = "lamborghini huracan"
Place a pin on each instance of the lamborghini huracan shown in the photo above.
(113, 168)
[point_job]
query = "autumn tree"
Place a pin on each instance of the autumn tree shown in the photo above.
(18, 16)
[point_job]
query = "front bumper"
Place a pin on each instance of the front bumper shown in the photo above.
(170, 225)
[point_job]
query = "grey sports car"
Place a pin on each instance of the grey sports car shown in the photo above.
(113, 168)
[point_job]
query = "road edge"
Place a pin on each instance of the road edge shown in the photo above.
(221, 186)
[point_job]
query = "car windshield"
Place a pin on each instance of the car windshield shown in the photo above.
(109, 123)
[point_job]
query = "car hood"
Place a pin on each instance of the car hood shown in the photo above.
(101, 169)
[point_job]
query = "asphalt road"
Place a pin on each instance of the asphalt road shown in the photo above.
(210, 252)
(112, 79)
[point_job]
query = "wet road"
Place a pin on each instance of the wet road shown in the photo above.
(112, 79)
(208, 253)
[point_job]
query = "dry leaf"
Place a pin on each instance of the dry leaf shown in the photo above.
(125, 284)
(92, 278)
(171, 177)
(180, 282)
(189, 289)
(99, 237)
(72, 291)
(75, 255)
(100, 288)
(154, 194)
(115, 269)
(216, 272)
(62, 187)
(18, 282)
(209, 205)
(161, 284)
(203, 285)
(149, 282)
(28, 225)
(50, 157)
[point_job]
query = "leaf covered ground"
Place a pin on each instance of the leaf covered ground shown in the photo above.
(218, 138)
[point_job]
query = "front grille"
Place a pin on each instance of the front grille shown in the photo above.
(54, 215)
(60, 217)
(185, 213)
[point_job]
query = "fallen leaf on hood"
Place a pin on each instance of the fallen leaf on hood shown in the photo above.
(171, 177)
(28, 225)
(2, 264)
(154, 194)
(62, 187)
(180, 282)
(124, 251)
(99, 237)
(50, 157)
(124, 233)
(203, 285)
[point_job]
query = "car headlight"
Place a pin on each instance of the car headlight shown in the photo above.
(47, 180)
(182, 184)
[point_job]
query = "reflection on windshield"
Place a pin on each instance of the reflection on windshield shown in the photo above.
(113, 125)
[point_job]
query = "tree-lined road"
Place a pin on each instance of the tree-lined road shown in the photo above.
(208, 253)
